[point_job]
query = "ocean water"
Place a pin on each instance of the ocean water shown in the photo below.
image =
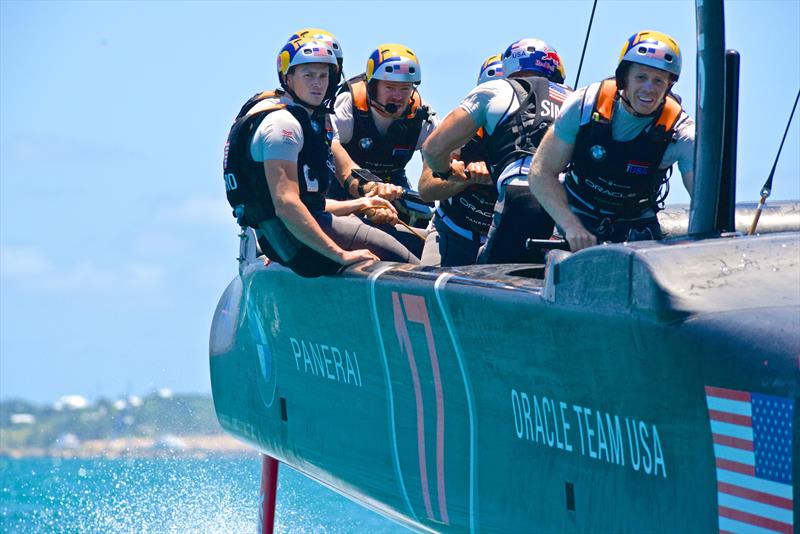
(217, 495)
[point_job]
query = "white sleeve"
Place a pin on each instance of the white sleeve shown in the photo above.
(490, 103)
(568, 121)
(279, 136)
(342, 118)
(682, 150)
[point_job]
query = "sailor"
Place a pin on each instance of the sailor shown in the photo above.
(514, 112)
(278, 167)
(464, 213)
(378, 124)
(619, 139)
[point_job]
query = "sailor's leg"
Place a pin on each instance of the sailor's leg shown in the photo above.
(644, 230)
(431, 255)
(517, 217)
(278, 244)
(408, 238)
(454, 248)
(352, 233)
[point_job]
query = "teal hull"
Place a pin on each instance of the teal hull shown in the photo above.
(485, 399)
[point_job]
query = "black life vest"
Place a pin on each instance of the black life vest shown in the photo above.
(472, 208)
(618, 179)
(385, 156)
(245, 181)
(519, 134)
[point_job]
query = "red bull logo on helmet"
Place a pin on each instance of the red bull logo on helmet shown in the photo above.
(546, 61)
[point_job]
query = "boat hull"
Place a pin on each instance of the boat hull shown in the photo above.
(485, 399)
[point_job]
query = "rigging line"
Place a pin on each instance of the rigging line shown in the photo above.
(766, 190)
(585, 42)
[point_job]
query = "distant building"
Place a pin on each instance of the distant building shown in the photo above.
(23, 419)
(71, 402)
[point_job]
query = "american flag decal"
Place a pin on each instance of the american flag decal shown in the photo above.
(656, 53)
(557, 93)
(752, 436)
(225, 157)
(399, 68)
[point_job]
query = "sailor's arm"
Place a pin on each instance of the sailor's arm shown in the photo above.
(454, 132)
(551, 158)
(294, 214)
(688, 182)
(344, 165)
(432, 188)
(685, 149)
(376, 209)
(342, 124)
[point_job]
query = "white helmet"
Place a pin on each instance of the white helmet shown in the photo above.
(304, 51)
(492, 69)
(393, 63)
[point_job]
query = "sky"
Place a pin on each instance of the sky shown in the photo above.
(115, 238)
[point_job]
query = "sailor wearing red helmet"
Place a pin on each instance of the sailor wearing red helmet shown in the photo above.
(618, 140)
(464, 213)
(514, 112)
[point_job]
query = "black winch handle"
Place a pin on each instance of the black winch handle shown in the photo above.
(365, 176)
(549, 244)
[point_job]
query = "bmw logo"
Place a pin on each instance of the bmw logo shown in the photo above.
(598, 153)
(365, 143)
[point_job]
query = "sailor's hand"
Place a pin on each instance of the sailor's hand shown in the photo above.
(379, 210)
(579, 238)
(349, 257)
(381, 216)
(376, 202)
(478, 173)
(382, 190)
(458, 172)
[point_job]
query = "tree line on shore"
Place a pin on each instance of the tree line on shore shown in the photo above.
(25, 424)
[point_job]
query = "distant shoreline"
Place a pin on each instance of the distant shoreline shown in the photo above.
(195, 446)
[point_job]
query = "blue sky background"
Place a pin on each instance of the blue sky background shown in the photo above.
(115, 238)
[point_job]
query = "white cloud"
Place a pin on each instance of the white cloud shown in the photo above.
(22, 261)
(31, 268)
